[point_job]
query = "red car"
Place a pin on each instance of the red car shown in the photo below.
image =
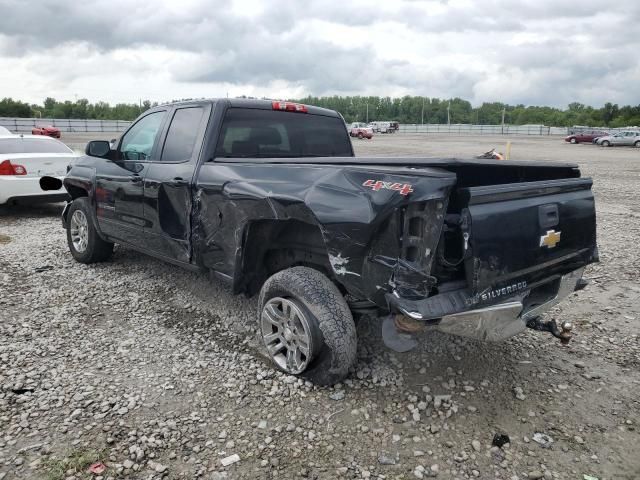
(48, 130)
(585, 136)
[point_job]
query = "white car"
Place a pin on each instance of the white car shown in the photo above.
(24, 160)
(627, 137)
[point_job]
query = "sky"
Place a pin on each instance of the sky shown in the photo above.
(534, 52)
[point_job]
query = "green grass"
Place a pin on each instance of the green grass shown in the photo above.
(77, 461)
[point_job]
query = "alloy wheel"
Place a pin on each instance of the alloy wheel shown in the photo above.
(286, 332)
(79, 229)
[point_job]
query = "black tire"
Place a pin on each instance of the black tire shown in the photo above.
(573, 140)
(97, 250)
(328, 316)
(360, 135)
(637, 144)
(605, 143)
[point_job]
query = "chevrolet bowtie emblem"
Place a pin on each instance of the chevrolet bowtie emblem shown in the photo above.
(550, 239)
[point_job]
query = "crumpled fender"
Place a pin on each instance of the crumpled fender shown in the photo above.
(357, 217)
(359, 225)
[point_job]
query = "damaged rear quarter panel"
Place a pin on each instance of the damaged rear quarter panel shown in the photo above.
(230, 196)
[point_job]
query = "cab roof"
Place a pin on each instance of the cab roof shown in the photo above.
(250, 103)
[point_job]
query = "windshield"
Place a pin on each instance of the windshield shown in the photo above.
(248, 133)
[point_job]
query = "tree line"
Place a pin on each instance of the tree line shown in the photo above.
(407, 109)
(81, 108)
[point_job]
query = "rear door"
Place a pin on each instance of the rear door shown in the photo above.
(629, 138)
(168, 182)
(119, 183)
(619, 138)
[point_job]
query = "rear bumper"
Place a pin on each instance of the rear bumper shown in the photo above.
(499, 321)
(15, 188)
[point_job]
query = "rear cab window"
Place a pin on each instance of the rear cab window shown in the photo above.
(257, 133)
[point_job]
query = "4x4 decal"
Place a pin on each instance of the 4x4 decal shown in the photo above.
(402, 188)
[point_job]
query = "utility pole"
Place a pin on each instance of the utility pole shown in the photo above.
(503, 112)
(422, 110)
(448, 114)
(367, 113)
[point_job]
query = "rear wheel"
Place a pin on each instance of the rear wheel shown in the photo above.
(306, 326)
(360, 135)
(85, 244)
(606, 143)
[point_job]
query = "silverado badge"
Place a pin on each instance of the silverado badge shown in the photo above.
(550, 239)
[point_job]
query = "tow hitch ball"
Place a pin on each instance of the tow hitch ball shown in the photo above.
(563, 332)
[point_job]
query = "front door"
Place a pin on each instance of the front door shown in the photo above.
(119, 183)
(168, 181)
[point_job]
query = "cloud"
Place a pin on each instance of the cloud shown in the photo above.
(526, 51)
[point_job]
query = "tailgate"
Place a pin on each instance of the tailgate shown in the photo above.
(524, 232)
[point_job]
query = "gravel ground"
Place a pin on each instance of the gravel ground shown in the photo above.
(156, 372)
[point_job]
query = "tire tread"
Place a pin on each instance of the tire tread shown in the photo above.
(325, 302)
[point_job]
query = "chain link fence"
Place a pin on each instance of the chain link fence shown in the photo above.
(469, 129)
(25, 125)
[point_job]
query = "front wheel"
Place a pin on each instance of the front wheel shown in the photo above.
(360, 135)
(573, 140)
(306, 326)
(85, 244)
(637, 144)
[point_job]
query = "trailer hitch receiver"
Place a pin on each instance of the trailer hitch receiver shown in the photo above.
(563, 332)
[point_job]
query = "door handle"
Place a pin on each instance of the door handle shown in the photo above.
(179, 182)
(135, 178)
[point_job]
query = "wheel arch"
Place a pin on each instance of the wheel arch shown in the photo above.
(272, 245)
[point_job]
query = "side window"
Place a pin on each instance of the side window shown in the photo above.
(182, 135)
(138, 141)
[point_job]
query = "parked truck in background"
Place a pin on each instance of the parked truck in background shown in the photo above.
(384, 127)
(269, 197)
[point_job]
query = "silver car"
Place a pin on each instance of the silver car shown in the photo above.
(627, 137)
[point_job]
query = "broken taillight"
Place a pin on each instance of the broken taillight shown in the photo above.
(8, 168)
(289, 107)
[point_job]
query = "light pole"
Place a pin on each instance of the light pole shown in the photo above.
(367, 113)
(448, 114)
(422, 110)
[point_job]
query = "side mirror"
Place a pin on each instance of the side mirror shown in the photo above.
(98, 148)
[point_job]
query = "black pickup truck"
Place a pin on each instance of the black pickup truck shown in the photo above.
(269, 197)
